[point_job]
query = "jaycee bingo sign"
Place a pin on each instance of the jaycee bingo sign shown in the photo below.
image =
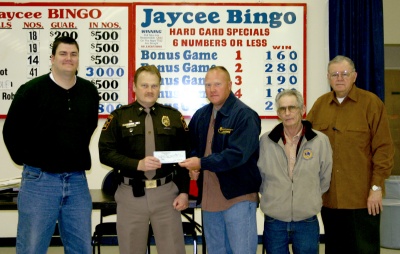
(262, 46)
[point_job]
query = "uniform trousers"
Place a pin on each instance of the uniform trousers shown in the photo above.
(135, 213)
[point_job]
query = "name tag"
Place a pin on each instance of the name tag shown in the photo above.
(130, 124)
(151, 184)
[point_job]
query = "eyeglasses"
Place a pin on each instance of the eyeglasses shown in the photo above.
(282, 110)
(344, 75)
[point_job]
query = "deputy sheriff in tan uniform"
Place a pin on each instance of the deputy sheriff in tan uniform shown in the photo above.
(149, 191)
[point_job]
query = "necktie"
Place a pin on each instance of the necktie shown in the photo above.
(149, 139)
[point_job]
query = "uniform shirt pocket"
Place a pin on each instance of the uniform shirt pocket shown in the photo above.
(166, 139)
(130, 132)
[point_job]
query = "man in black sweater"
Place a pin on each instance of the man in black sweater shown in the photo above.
(48, 130)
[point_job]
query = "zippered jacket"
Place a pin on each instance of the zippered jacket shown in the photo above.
(234, 147)
(285, 199)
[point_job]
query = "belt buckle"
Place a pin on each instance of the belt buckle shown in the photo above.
(151, 184)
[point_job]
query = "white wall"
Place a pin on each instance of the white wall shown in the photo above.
(317, 59)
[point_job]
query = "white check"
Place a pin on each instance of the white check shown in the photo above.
(170, 156)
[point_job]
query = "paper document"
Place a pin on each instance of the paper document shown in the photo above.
(170, 156)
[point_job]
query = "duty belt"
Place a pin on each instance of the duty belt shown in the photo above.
(152, 183)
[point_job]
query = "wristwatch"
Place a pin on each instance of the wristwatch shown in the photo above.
(376, 188)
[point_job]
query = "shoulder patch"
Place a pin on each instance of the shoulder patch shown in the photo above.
(184, 124)
(107, 123)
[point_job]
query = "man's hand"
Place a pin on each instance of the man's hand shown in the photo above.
(192, 163)
(374, 202)
(194, 174)
(149, 163)
(181, 202)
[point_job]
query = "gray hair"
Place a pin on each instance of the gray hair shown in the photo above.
(290, 92)
(339, 59)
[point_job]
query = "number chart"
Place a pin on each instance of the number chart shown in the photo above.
(263, 46)
(102, 31)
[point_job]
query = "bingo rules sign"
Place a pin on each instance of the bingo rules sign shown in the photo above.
(263, 46)
(102, 30)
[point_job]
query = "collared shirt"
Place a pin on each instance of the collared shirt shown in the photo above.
(363, 151)
(291, 148)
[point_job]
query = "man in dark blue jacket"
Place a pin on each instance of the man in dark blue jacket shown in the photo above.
(225, 147)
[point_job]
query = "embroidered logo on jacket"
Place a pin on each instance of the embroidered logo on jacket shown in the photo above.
(223, 130)
(307, 154)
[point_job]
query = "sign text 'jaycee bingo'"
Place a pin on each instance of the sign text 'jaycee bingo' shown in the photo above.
(262, 46)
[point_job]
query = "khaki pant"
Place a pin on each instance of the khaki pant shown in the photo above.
(135, 213)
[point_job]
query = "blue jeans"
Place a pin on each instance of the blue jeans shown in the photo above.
(304, 236)
(233, 230)
(45, 198)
